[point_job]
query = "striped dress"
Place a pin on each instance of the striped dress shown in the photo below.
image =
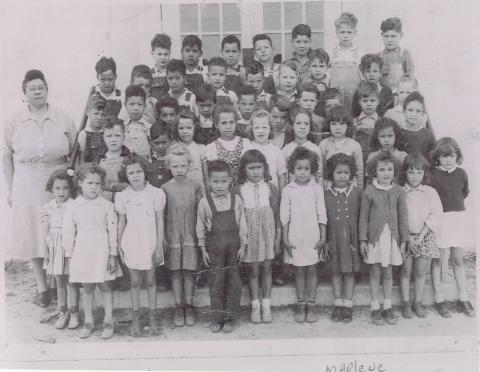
(181, 214)
(52, 214)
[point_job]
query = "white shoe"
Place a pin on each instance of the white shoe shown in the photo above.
(62, 320)
(255, 316)
(266, 312)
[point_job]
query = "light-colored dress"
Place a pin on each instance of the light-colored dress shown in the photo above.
(303, 208)
(52, 213)
(198, 153)
(277, 164)
(290, 147)
(139, 239)
(260, 221)
(38, 147)
(89, 237)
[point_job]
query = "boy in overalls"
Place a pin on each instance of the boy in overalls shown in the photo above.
(222, 237)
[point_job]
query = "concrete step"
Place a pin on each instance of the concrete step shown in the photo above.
(281, 296)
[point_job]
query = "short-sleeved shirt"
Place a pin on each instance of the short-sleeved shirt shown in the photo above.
(276, 161)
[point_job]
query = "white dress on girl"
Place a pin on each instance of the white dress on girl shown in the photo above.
(303, 208)
(89, 236)
(139, 240)
(53, 214)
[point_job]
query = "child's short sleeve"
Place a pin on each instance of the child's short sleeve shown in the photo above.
(120, 203)
(211, 151)
(159, 199)
(320, 205)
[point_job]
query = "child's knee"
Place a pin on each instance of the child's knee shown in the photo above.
(267, 267)
(89, 288)
(457, 260)
(253, 271)
(387, 273)
(106, 287)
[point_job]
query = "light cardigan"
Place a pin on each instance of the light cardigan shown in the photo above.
(380, 207)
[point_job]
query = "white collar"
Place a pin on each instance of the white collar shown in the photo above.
(346, 190)
(408, 188)
(381, 187)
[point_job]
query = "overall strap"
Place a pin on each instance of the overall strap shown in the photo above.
(232, 201)
(211, 203)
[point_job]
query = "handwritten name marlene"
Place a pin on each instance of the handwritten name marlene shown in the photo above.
(356, 367)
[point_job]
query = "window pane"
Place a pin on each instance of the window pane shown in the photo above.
(288, 45)
(293, 15)
(231, 17)
(188, 18)
(210, 18)
(276, 42)
(272, 16)
(317, 40)
(314, 14)
(211, 46)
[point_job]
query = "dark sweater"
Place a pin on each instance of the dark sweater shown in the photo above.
(386, 101)
(422, 141)
(451, 187)
(380, 207)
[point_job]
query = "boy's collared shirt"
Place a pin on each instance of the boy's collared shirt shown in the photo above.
(364, 121)
(222, 203)
(199, 69)
(205, 122)
(399, 57)
(116, 95)
(149, 114)
(186, 99)
(303, 69)
(224, 94)
(156, 72)
(291, 97)
(322, 84)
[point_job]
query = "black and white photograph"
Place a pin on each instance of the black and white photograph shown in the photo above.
(240, 185)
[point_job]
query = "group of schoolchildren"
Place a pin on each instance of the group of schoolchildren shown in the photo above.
(215, 166)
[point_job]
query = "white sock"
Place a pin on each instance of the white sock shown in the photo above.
(348, 303)
(375, 305)
(255, 303)
(338, 302)
(387, 304)
(266, 302)
(439, 298)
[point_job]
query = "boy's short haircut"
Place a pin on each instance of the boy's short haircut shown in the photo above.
(167, 101)
(112, 121)
(217, 61)
(331, 93)
(308, 87)
(135, 91)
(414, 96)
(301, 30)
(205, 92)
(259, 37)
(231, 39)
(280, 102)
(391, 24)
(348, 19)
(247, 90)
(159, 128)
(224, 109)
(96, 102)
(366, 90)
(254, 68)
(192, 41)
(142, 71)
(177, 65)
(290, 63)
(368, 60)
(161, 41)
(319, 54)
(218, 166)
(186, 113)
(106, 64)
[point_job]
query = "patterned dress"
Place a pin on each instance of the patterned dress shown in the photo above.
(52, 213)
(232, 158)
(260, 200)
(181, 214)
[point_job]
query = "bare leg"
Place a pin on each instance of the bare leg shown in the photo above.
(348, 286)
(267, 279)
(88, 292)
(135, 283)
(62, 291)
(436, 276)
(73, 297)
(387, 282)
(188, 286)
(107, 295)
(337, 286)
(311, 272)
(151, 288)
(459, 272)
(253, 279)
(177, 286)
(374, 282)
(405, 279)
(420, 265)
(40, 274)
(300, 282)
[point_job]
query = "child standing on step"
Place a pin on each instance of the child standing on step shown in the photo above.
(303, 217)
(140, 234)
(261, 203)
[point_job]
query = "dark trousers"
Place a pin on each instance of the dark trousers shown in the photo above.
(224, 279)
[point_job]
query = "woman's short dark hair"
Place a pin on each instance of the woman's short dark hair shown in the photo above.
(33, 75)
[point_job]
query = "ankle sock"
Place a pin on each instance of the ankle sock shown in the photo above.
(62, 309)
(266, 302)
(375, 305)
(387, 304)
(255, 303)
(348, 303)
(311, 301)
(439, 298)
(338, 302)
(73, 309)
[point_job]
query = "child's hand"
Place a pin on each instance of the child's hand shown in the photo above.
(276, 245)
(112, 264)
(402, 247)
(363, 249)
(158, 256)
(288, 248)
(121, 253)
(240, 253)
(46, 259)
(205, 257)
(319, 245)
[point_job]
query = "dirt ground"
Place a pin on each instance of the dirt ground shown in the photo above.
(27, 323)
